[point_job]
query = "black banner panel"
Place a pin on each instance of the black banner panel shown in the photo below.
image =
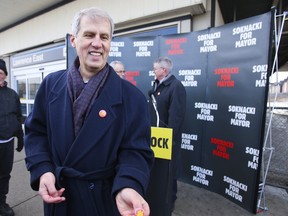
(222, 139)
(224, 71)
(137, 54)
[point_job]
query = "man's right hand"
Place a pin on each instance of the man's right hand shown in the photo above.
(48, 191)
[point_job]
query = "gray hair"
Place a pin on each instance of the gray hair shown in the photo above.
(113, 63)
(165, 62)
(92, 13)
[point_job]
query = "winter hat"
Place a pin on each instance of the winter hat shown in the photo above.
(3, 66)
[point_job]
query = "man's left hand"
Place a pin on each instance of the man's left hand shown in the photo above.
(129, 201)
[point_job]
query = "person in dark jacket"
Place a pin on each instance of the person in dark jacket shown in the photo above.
(168, 99)
(10, 127)
(87, 139)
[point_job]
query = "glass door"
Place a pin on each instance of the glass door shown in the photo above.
(27, 87)
(26, 81)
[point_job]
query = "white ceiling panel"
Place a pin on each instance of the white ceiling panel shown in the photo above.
(15, 11)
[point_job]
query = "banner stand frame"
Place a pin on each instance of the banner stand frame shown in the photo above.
(269, 146)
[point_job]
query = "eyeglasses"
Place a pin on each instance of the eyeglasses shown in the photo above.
(121, 71)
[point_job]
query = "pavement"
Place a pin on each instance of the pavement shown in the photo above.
(192, 200)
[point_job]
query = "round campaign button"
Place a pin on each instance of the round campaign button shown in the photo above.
(102, 113)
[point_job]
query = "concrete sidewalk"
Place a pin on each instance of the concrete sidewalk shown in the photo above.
(23, 200)
(192, 201)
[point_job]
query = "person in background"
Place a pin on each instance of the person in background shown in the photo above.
(118, 66)
(87, 140)
(168, 95)
(10, 127)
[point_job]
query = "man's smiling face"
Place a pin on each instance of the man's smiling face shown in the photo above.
(92, 43)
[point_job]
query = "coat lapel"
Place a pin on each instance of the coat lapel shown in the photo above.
(61, 121)
(97, 124)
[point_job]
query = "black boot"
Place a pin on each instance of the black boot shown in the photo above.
(6, 210)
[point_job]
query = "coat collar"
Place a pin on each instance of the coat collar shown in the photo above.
(109, 95)
(167, 81)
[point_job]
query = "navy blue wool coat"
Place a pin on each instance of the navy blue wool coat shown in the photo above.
(110, 153)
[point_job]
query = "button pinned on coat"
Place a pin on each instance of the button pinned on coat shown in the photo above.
(102, 113)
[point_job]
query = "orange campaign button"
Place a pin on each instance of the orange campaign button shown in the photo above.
(102, 113)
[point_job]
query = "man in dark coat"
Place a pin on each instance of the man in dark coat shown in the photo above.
(87, 139)
(10, 127)
(167, 107)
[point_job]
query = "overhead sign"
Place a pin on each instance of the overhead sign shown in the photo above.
(39, 57)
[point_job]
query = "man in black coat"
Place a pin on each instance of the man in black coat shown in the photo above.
(10, 127)
(168, 98)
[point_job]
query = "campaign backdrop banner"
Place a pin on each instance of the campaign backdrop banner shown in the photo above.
(224, 71)
(223, 138)
(71, 52)
(137, 54)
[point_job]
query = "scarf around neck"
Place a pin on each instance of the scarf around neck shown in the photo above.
(83, 95)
